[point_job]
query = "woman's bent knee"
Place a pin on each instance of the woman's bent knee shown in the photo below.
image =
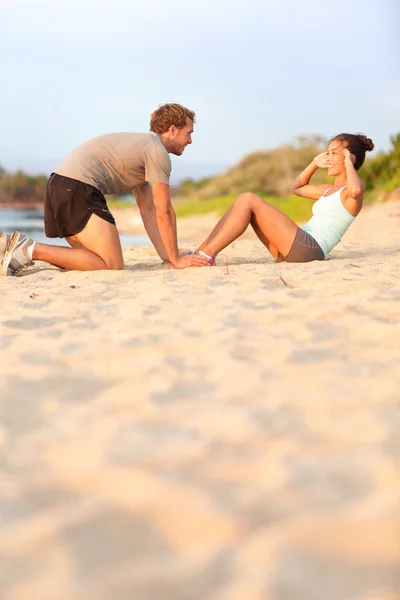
(249, 200)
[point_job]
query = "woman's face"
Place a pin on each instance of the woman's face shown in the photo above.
(335, 157)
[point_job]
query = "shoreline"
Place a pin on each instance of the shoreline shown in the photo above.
(22, 206)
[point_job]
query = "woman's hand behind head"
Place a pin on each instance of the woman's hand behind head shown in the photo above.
(348, 157)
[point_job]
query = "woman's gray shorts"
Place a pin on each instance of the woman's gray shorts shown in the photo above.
(304, 249)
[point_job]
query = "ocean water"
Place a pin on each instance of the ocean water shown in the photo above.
(31, 223)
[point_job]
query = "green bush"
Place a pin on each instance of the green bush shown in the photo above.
(270, 174)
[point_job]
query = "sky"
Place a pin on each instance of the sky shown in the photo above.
(257, 73)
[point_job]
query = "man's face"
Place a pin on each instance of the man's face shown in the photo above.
(179, 138)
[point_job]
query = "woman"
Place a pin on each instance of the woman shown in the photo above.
(336, 208)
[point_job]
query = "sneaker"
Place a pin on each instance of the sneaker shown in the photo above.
(4, 239)
(16, 257)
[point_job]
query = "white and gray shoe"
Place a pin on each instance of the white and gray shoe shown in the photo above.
(16, 257)
(4, 239)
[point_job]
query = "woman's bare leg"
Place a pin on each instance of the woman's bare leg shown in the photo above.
(272, 249)
(218, 226)
(275, 230)
(96, 247)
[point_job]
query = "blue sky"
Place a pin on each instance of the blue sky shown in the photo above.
(257, 73)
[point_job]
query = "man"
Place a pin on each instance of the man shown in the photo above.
(75, 207)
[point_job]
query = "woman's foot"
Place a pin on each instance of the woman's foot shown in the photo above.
(17, 254)
(211, 259)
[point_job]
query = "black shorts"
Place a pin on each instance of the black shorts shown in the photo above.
(69, 204)
(304, 249)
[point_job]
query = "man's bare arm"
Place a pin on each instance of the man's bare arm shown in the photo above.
(166, 222)
(144, 200)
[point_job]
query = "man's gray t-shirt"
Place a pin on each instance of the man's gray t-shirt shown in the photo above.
(118, 162)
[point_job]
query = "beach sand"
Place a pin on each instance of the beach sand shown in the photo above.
(227, 433)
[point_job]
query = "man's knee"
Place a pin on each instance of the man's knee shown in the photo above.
(115, 263)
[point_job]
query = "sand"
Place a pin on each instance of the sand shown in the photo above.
(227, 433)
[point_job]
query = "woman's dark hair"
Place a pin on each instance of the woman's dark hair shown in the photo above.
(357, 144)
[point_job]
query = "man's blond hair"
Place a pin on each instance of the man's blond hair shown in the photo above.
(170, 114)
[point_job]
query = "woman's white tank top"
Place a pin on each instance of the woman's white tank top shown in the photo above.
(329, 222)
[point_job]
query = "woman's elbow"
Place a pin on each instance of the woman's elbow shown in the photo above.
(355, 192)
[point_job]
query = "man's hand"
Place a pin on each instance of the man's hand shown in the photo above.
(190, 260)
(181, 253)
(320, 161)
